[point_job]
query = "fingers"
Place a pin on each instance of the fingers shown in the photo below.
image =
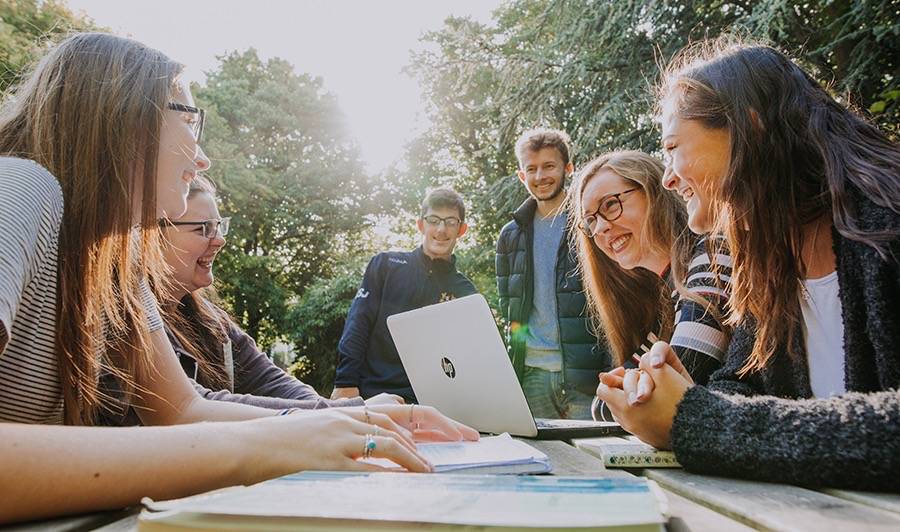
(384, 421)
(399, 454)
(630, 384)
(376, 430)
(614, 378)
(613, 397)
(429, 419)
(662, 353)
(645, 387)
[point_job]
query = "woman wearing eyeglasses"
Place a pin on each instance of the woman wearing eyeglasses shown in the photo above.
(646, 276)
(222, 361)
(100, 143)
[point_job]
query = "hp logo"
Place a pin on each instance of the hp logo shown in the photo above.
(448, 368)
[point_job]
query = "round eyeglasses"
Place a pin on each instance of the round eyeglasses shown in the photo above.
(210, 228)
(610, 209)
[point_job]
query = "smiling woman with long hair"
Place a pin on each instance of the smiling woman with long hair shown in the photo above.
(101, 141)
(808, 195)
(645, 275)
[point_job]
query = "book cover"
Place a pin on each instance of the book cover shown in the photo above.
(334, 501)
(627, 452)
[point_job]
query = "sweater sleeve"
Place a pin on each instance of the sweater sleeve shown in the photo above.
(699, 337)
(255, 374)
(276, 403)
(851, 441)
(361, 319)
(733, 427)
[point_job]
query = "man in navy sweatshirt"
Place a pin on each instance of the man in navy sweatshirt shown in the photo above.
(394, 282)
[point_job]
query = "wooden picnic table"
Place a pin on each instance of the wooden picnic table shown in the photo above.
(778, 507)
(696, 503)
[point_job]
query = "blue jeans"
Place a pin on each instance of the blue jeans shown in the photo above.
(548, 398)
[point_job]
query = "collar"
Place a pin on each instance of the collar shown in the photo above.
(524, 215)
(436, 265)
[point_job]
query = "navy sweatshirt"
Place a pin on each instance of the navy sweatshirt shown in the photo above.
(394, 282)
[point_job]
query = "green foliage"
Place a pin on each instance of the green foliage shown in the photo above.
(291, 179)
(27, 28)
(316, 323)
(589, 68)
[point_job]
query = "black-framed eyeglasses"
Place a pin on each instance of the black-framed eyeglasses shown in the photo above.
(211, 228)
(610, 209)
(450, 222)
(197, 126)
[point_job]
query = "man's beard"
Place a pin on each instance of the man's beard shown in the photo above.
(556, 192)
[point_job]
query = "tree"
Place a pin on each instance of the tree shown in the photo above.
(589, 68)
(27, 29)
(291, 179)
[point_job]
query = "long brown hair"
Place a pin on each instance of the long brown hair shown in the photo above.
(197, 321)
(627, 304)
(90, 113)
(796, 154)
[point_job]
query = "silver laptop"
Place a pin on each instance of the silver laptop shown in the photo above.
(456, 362)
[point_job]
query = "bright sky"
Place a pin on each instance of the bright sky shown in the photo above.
(358, 47)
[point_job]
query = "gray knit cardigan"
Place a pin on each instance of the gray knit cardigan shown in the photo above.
(765, 426)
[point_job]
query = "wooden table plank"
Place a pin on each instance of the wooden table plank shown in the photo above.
(777, 507)
(885, 501)
(568, 460)
(685, 515)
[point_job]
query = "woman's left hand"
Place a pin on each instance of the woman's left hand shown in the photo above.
(651, 420)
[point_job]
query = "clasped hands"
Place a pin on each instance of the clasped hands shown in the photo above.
(644, 400)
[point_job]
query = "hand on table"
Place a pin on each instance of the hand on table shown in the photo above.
(334, 439)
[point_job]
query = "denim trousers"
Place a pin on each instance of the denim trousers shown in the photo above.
(548, 398)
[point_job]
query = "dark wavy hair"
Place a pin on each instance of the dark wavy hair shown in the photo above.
(796, 155)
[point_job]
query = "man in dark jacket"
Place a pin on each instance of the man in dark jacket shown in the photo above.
(394, 282)
(554, 353)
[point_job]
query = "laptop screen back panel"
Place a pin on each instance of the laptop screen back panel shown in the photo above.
(456, 361)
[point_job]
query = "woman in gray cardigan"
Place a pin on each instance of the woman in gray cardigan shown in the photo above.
(808, 195)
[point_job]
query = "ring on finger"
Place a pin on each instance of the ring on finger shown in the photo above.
(369, 446)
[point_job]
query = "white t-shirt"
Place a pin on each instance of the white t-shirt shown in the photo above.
(823, 332)
(31, 210)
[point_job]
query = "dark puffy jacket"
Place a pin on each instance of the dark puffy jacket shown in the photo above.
(583, 355)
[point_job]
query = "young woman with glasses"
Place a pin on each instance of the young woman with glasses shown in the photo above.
(96, 155)
(222, 361)
(645, 276)
(808, 196)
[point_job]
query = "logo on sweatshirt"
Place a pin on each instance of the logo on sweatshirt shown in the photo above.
(362, 293)
(448, 368)
(398, 261)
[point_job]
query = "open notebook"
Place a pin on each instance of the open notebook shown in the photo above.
(497, 455)
(408, 501)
